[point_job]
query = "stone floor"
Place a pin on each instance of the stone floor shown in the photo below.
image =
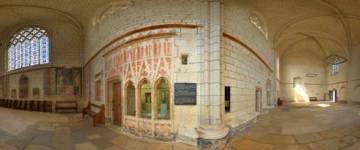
(21, 130)
(314, 126)
(295, 126)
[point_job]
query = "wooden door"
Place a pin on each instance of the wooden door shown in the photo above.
(117, 103)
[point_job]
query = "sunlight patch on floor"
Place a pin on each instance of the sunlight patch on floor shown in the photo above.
(323, 105)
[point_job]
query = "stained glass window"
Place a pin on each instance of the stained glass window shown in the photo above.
(28, 47)
(11, 54)
(334, 69)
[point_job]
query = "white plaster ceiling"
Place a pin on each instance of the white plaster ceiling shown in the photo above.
(78, 12)
(323, 26)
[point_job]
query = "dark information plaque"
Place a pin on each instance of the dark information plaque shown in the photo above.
(185, 93)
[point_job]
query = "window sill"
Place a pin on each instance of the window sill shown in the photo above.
(26, 69)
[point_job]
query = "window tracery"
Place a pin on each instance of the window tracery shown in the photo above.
(28, 47)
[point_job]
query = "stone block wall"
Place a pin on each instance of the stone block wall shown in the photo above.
(354, 75)
(247, 62)
(296, 64)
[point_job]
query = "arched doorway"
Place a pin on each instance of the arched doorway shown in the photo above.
(163, 99)
(258, 100)
(333, 95)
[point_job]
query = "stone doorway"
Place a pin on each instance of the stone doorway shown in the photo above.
(333, 95)
(258, 102)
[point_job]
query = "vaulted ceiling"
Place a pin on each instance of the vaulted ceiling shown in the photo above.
(327, 26)
(78, 12)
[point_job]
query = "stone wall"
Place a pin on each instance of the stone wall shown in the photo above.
(354, 75)
(139, 14)
(299, 64)
(143, 20)
(339, 82)
(248, 62)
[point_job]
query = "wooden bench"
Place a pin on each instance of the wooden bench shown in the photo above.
(96, 112)
(313, 98)
(2, 102)
(66, 106)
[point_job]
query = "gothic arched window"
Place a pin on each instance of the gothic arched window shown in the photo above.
(163, 99)
(130, 97)
(28, 47)
(145, 98)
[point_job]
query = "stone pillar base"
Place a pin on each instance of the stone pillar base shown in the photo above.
(213, 132)
(213, 137)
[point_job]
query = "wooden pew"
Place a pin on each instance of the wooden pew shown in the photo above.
(2, 102)
(96, 112)
(313, 98)
(48, 106)
(28, 105)
(66, 106)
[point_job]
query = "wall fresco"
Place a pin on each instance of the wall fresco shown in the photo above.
(146, 59)
(68, 81)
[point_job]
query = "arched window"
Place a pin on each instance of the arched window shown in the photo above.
(28, 47)
(145, 98)
(163, 99)
(130, 97)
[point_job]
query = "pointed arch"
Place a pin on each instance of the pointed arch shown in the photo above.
(162, 92)
(130, 98)
(145, 95)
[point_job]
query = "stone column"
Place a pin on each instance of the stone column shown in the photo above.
(211, 122)
(153, 107)
(137, 105)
